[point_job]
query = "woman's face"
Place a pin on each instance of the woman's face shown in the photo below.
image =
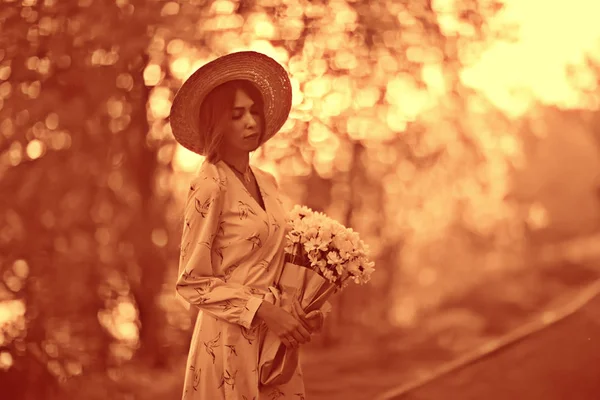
(244, 131)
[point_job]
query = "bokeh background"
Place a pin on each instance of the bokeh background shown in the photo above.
(461, 138)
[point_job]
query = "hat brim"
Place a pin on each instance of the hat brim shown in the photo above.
(266, 74)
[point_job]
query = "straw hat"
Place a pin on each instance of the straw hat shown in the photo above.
(264, 72)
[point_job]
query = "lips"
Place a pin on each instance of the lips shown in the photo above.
(251, 136)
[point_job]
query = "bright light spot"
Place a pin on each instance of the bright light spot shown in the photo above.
(52, 121)
(6, 360)
(15, 153)
(11, 311)
(171, 8)
(32, 63)
(5, 90)
(180, 67)
(160, 103)
(126, 310)
(35, 149)
(152, 75)
(127, 331)
(334, 103)
(60, 140)
(185, 160)
(345, 16)
(175, 46)
(5, 72)
(410, 100)
(433, 76)
(223, 7)
(33, 89)
(297, 95)
(114, 107)
(538, 217)
(317, 134)
(73, 368)
(125, 81)
(317, 87)
(21, 269)
(318, 67)
(159, 237)
(367, 97)
(395, 120)
(345, 60)
(264, 29)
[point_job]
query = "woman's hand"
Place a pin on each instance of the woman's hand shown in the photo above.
(313, 321)
(289, 329)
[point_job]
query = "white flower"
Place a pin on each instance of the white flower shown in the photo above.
(328, 274)
(354, 267)
(368, 268)
(311, 232)
(289, 248)
(293, 236)
(298, 212)
(314, 243)
(315, 259)
(333, 258)
(325, 234)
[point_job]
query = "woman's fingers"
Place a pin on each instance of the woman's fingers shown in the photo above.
(302, 334)
(286, 342)
(315, 319)
(300, 316)
(298, 308)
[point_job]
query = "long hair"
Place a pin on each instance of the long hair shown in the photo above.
(215, 114)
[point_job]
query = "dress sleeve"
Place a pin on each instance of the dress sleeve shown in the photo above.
(197, 283)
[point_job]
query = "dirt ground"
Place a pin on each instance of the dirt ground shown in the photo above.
(561, 362)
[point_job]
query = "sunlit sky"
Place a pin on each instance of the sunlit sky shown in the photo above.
(552, 36)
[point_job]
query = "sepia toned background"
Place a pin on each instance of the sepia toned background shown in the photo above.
(461, 138)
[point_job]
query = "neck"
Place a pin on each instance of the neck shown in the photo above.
(239, 161)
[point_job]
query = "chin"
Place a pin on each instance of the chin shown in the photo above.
(253, 148)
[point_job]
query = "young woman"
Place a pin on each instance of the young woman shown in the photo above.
(234, 230)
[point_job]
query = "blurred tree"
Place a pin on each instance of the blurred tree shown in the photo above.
(81, 227)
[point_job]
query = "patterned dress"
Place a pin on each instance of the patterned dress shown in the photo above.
(231, 257)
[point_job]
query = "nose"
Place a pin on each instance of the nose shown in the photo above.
(250, 120)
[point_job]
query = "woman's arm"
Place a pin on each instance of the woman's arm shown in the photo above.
(196, 283)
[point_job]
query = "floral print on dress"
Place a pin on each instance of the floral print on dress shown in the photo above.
(228, 379)
(255, 240)
(222, 183)
(244, 209)
(229, 271)
(196, 380)
(203, 206)
(250, 334)
(211, 345)
(276, 394)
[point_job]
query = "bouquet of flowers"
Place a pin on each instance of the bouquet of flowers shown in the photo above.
(322, 257)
